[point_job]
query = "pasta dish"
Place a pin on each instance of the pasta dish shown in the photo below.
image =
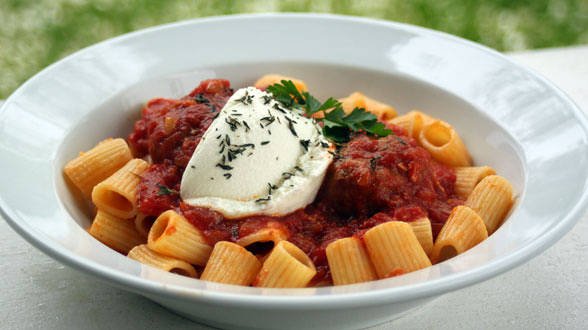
(267, 186)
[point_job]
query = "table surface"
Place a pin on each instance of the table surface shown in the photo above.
(550, 291)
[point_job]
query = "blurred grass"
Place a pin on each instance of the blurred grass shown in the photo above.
(34, 34)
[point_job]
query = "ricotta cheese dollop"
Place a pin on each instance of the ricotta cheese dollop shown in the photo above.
(257, 158)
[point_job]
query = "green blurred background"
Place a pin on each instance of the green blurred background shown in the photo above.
(34, 33)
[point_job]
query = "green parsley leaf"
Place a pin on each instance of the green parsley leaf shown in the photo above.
(338, 125)
(163, 190)
(338, 134)
(329, 104)
(312, 105)
(360, 119)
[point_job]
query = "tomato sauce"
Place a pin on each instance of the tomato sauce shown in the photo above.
(371, 181)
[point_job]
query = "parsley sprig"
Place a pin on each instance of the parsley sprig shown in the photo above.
(163, 190)
(338, 125)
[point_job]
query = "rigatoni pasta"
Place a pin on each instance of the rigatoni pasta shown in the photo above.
(394, 249)
(172, 235)
(117, 194)
(358, 100)
(272, 233)
(468, 177)
(491, 199)
(270, 79)
(286, 267)
(144, 255)
(423, 232)
(97, 164)
(349, 262)
(444, 144)
(463, 230)
(119, 234)
(230, 263)
(412, 122)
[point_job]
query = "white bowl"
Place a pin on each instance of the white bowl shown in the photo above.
(510, 118)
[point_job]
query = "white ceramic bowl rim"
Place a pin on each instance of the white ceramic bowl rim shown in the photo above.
(171, 286)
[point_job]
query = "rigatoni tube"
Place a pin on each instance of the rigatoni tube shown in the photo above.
(463, 230)
(468, 177)
(286, 267)
(117, 194)
(349, 262)
(383, 111)
(172, 235)
(444, 144)
(97, 164)
(424, 233)
(146, 256)
(119, 234)
(491, 199)
(270, 79)
(263, 240)
(394, 249)
(412, 122)
(231, 264)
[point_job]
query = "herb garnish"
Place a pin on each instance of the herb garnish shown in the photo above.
(305, 144)
(266, 99)
(201, 99)
(277, 107)
(291, 126)
(270, 188)
(224, 167)
(163, 190)
(246, 99)
(263, 200)
(338, 125)
(268, 120)
(374, 163)
(233, 123)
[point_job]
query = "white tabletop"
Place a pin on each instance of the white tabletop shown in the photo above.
(550, 291)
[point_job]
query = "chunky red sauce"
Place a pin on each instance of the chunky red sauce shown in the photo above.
(371, 181)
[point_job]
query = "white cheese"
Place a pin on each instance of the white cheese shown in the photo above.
(256, 158)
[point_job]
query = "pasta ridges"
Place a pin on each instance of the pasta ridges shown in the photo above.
(392, 246)
(144, 255)
(468, 177)
(463, 230)
(491, 199)
(231, 264)
(92, 167)
(118, 234)
(118, 193)
(286, 267)
(172, 235)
